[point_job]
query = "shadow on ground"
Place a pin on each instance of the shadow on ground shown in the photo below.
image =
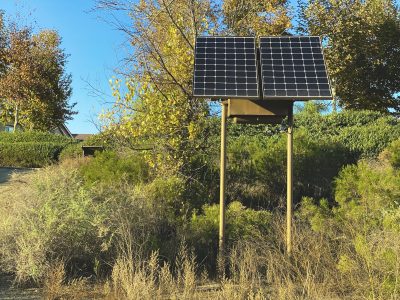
(10, 292)
(5, 173)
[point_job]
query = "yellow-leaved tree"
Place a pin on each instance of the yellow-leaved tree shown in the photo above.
(256, 17)
(155, 109)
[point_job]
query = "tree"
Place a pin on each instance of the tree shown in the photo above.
(3, 43)
(3, 46)
(34, 86)
(158, 109)
(49, 106)
(17, 81)
(256, 18)
(362, 42)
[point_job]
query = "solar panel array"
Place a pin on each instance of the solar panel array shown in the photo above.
(226, 67)
(290, 67)
(293, 67)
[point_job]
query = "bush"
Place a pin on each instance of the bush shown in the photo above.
(365, 133)
(241, 224)
(323, 145)
(257, 168)
(29, 154)
(363, 229)
(33, 136)
(51, 215)
(31, 148)
(109, 167)
(393, 153)
(71, 151)
(368, 141)
(75, 150)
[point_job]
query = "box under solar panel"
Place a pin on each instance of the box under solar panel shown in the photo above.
(293, 68)
(226, 67)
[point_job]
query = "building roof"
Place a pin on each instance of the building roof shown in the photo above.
(64, 130)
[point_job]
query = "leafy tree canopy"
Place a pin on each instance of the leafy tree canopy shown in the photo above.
(362, 47)
(34, 85)
(255, 17)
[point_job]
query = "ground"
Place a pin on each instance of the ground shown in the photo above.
(8, 291)
(5, 173)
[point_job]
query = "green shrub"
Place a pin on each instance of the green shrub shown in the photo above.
(31, 148)
(241, 224)
(365, 133)
(75, 150)
(393, 153)
(29, 154)
(33, 136)
(257, 168)
(368, 141)
(71, 151)
(109, 167)
(363, 228)
(51, 215)
(323, 145)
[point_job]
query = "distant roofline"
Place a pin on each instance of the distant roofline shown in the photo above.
(64, 128)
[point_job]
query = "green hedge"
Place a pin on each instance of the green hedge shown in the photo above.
(29, 154)
(31, 148)
(365, 133)
(33, 136)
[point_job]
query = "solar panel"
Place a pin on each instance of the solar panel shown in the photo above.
(226, 67)
(293, 68)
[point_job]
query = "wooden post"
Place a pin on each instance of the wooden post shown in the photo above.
(221, 244)
(289, 181)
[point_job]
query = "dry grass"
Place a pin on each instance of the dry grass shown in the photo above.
(258, 269)
(56, 285)
(341, 263)
(149, 279)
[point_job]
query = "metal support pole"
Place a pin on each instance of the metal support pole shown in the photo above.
(221, 249)
(289, 181)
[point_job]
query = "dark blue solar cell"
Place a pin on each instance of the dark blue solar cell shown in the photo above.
(288, 80)
(325, 93)
(280, 93)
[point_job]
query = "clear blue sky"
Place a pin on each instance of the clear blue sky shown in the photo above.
(95, 48)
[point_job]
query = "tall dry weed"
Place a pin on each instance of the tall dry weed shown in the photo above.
(245, 279)
(134, 278)
(54, 280)
(309, 272)
(57, 286)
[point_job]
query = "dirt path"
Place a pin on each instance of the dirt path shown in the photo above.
(9, 292)
(5, 173)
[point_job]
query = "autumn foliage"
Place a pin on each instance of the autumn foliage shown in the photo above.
(34, 85)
